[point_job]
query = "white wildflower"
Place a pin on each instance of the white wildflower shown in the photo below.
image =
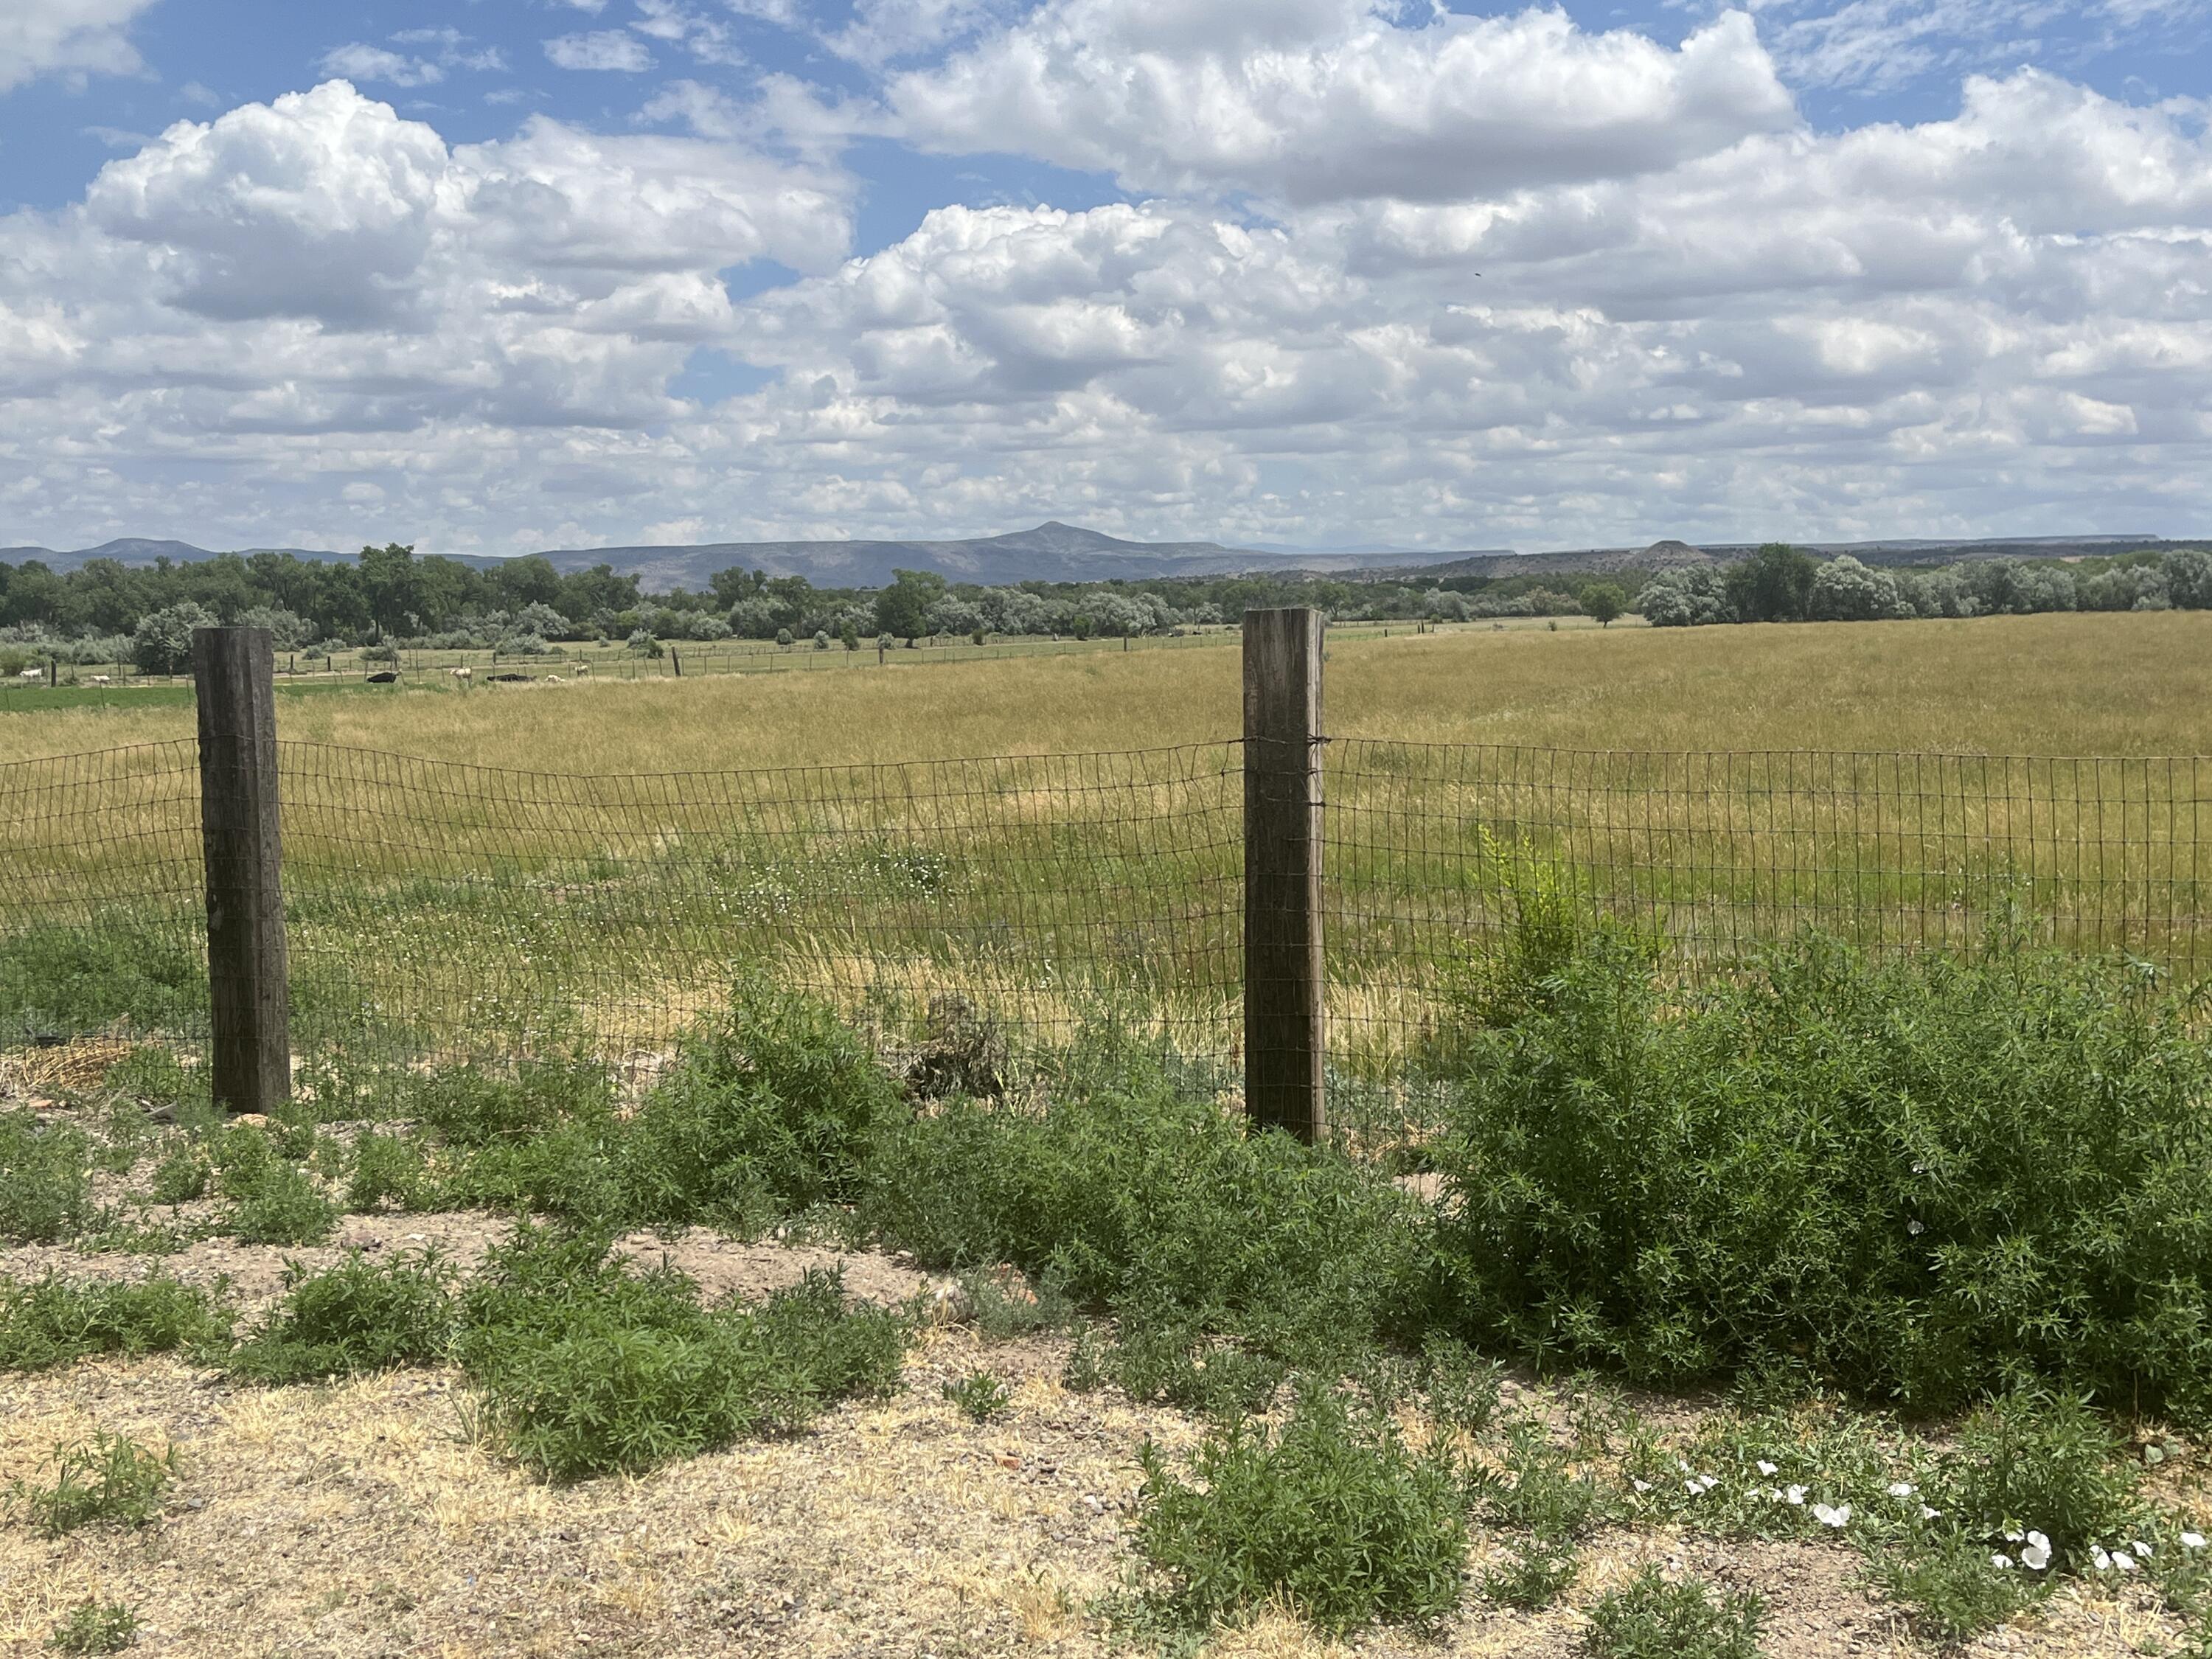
(1641, 1486)
(2193, 1540)
(2098, 1559)
(1793, 1495)
(1915, 1228)
(2001, 1562)
(2142, 1548)
(1835, 1515)
(1765, 1468)
(2123, 1561)
(1902, 1489)
(2037, 1555)
(1928, 1513)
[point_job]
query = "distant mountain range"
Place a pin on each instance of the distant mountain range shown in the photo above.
(1059, 552)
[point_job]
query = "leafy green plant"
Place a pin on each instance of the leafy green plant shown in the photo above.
(2033, 1459)
(107, 1478)
(182, 1176)
(1648, 1618)
(1004, 1305)
(1331, 1513)
(94, 1626)
(282, 1205)
(1123, 1181)
(53, 1321)
(45, 1191)
(1925, 1179)
(980, 1396)
(1950, 1584)
(391, 1169)
(587, 1366)
(358, 1317)
(471, 1106)
(243, 1154)
(1462, 1388)
(769, 1112)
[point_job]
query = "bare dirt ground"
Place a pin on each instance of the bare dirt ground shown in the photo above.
(362, 1520)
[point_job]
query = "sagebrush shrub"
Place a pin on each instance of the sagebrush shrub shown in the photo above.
(358, 1317)
(53, 1323)
(1926, 1179)
(1332, 1514)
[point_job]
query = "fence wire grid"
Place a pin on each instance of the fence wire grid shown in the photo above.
(439, 908)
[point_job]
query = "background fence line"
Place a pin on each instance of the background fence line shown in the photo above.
(436, 909)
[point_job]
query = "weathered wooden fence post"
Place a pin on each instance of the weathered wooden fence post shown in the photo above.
(1285, 1035)
(249, 1003)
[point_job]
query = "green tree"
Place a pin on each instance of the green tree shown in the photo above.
(162, 643)
(1604, 602)
(902, 609)
(1772, 585)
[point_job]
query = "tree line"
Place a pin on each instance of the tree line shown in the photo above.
(391, 597)
(1781, 584)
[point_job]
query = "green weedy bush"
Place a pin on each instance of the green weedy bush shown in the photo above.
(56, 979)
(94, 1626)
(769, 1112)
(980, 1396)
(470, 1107)
(394, 1169)
(2049, 1462)
(358, 1317)
(1123, 1192)
(566, 1173)
(53, 1321)
(182, 1176)
(1334, 1515)
(1948, 1584)
(1648, 1618)
(282, 1205)
(45, 1191)
(1925, 1180)
(589, 1367)
(109, 1477)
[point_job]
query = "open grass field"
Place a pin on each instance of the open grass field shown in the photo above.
(2075, 684)
(591, 856)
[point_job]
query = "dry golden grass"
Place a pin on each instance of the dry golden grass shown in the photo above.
(360, 1519)
(2095, 683)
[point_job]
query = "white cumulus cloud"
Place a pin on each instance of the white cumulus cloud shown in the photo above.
(1309, 100)
(67, 36)
(600, 49)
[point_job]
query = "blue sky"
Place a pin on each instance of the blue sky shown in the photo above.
(494, 275)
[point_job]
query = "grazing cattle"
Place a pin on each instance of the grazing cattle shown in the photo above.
(102, 679)
(506, 679)
(460, 673)
(385, 678)
(32, 674)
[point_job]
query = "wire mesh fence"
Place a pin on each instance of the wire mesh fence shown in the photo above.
(435, 908)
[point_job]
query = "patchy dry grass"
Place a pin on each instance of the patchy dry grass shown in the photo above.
(362, 1519)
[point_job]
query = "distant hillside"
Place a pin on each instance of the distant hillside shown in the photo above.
(1676, 555)
(1053, 552)
(1056, 552)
